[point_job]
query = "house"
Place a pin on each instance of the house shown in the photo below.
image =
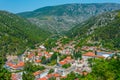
(88, 55)
(40, 74)
(44, 78)
(87, 48)
(37, 61)
(65, 61)
(37, 74)
(60, 71)
(42, 47)
(13, 66)
(47, 77)
(105, 54)
(47, 55)
(97, 55)
(16, 76)
(11, 57)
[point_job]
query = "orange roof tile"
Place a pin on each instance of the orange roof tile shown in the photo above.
(21, 64)
(30, 55)
(14, 76)
(99, 56)
(46, 53)
(38, 61)
(36, 73)
(63, 62)
(56, 75)
(50, 75)
(44, 78)
(14, 66)
(89, 54)
(9, 63)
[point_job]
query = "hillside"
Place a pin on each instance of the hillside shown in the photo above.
(17, 34)
(103, 29)
(58, 19)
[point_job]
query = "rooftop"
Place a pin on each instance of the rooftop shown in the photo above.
(91, 54)
(37, 73)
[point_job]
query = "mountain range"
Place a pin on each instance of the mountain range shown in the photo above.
(62, 18)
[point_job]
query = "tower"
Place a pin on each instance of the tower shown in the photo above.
(58, 59)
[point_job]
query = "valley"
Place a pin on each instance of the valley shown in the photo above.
(64, 42)
(62, 18)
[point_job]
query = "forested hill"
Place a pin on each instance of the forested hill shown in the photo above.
(57, 19)
(16, 34)
(104, 28)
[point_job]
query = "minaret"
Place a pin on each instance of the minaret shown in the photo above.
(58, 59)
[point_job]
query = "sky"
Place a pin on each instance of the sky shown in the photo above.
(16, 6)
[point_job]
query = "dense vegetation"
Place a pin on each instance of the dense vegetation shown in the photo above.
(103, 29)
(57, 19)
(4, 74)
(17, 34)
(105, 70)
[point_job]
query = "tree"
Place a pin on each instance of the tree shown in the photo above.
(66, 65)
(27, 76)
(51, 71)
(54, 56)
(77, 55)
(43, 59)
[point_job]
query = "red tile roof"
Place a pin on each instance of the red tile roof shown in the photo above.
(49, 75)
(56, 75)
(15, 66)
(38, 61)
(44, 78)
(21, 64)
(91, 54)
(15, 76)
(30, 55)
(46, 53)
(100, 56)
(63, 62)
(36, 73)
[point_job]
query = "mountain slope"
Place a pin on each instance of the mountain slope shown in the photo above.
(104, 28)
(17, 34)
(63, 17)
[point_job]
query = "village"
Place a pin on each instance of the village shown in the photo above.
(57, 63)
